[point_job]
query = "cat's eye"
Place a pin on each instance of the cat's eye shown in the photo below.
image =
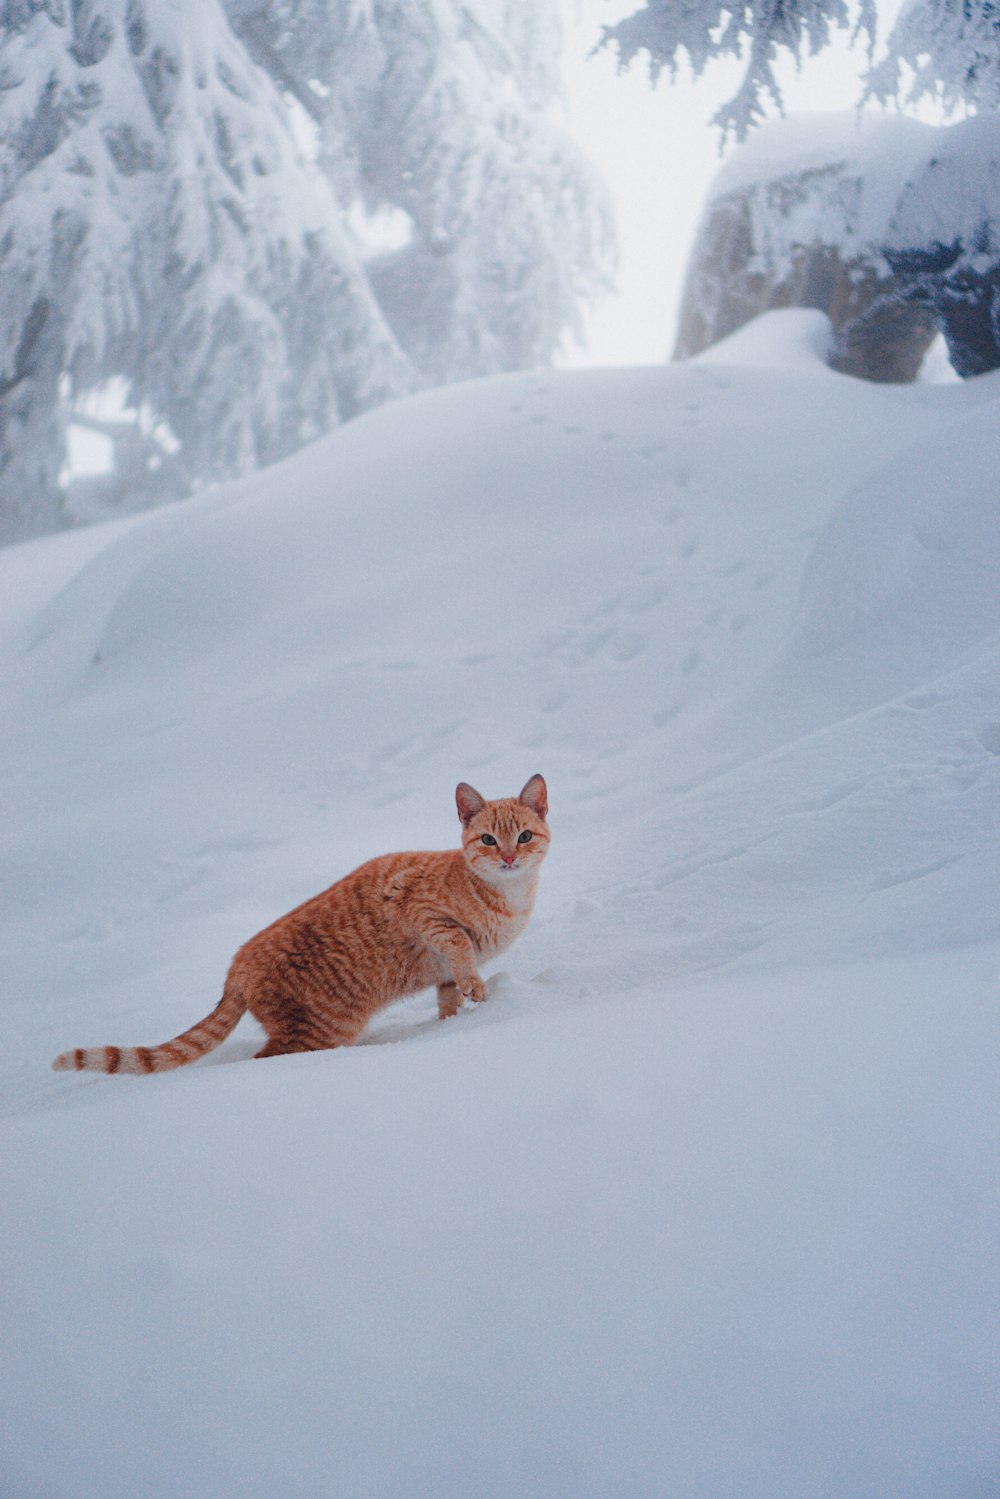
(525, 837)
(489, 839)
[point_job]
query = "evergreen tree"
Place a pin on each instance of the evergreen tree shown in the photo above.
(439, 112)
(165, 222)
(952, 47)
(158, 223)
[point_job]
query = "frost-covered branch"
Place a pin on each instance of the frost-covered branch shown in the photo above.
(952, 51)
(948, 49)
(758, 30)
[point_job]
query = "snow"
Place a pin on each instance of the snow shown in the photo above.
(698, 1203)
(864, 145)
(871, 182)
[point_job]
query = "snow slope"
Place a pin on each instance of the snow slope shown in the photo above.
(698, 1204)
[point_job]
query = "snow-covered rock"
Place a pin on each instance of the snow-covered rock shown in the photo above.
(887, 225)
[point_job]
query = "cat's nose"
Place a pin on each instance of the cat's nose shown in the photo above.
(508, 859)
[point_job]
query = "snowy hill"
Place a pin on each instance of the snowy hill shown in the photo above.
(697, 1205)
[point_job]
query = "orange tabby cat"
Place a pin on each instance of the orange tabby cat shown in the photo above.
(398, 924)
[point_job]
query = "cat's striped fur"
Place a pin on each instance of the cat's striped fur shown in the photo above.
(395, 925)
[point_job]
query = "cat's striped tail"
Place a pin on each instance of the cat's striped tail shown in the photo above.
(201, 1038)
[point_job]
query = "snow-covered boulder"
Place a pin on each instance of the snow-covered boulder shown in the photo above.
(890, 226)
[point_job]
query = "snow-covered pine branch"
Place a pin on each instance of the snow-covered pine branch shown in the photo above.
(952, 49)
(757, 30)
(946, 48)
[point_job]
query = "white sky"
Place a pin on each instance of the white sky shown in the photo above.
(658, 153)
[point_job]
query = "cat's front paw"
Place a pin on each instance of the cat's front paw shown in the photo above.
(473, 989)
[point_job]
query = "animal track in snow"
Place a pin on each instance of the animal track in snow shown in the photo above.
(552, 701)
(576, 647)
(238, 843)
(626, 646)
(647, 598)
(890, 880)
(413, 750)
(830, 796)
(93, 930)
(388, 798)
(179, 876)
(690, 547)
(548, 976)
(691, 661)
(606, 607)
(663, 716)
(739, 622)
(988, 735)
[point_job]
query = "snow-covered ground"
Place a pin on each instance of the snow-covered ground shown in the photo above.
(698, 1205)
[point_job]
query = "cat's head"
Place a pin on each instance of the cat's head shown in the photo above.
(505, 839)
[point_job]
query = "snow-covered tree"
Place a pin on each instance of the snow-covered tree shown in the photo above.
(165, 222)
(438, 112)
(159, 223)
(950, 48)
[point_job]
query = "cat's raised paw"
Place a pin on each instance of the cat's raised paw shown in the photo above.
(476, 990)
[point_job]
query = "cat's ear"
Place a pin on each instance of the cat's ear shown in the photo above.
(535, 796)
(468, 801)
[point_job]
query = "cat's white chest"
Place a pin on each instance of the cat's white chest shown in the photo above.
(506, 929)
(509, 932)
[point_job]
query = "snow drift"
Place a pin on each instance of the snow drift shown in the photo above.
(696, 1204)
